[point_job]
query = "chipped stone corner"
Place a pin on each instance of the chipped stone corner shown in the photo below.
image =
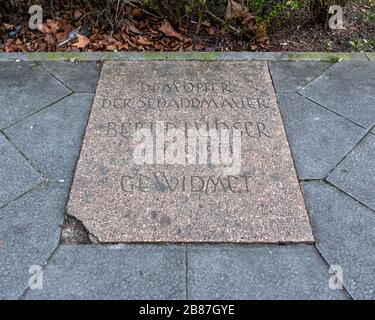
(73, 231)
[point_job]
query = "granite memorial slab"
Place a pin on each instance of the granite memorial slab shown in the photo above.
(187, 152)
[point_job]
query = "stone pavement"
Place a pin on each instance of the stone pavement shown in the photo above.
(328, 111)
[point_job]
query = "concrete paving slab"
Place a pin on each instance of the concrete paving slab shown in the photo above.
(24, 89)
(114, 272)
(319, 139)
(356, 173)
(78, 76)
(345, 235)
(258, 272)
(16, 174)
(29, 233)
(293, 76)
(52, 138)
(347, 89)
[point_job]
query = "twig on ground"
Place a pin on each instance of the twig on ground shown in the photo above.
(142, 9)
(222, 21)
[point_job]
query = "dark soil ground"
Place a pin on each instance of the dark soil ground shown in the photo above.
(144, 32)
(300, 34)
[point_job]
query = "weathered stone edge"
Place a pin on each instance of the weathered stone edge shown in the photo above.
(202, 56)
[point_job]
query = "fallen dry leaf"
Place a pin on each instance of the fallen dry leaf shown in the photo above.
(53, 25)
(77, 14)
(8, 26)
(124, 46)
(168, 30)
(142, 41)
(82, 42)
(236, 10)
(45, 29)
(60, 36)
(132, 28)
(198, 46)
(211, 31)
(111, 47)
(136, 12)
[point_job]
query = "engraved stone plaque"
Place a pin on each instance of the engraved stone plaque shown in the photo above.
(187, 152)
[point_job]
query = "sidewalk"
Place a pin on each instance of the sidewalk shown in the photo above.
(328, 111)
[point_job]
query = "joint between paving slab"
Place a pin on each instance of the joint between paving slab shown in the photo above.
(368, 131)
(325, 181)
(320, 74)
(310, 180)
(329, 266)
(347, 194)
(185, 56)
(36, 112)
(182, 243)
(337, 114)
(23, 295)
(91, 235)
(288, 142)
(320, 254)
(23, 194)
(50, 73)
(29, 161)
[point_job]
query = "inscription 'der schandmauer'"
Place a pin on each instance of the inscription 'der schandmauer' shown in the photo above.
(187, 151)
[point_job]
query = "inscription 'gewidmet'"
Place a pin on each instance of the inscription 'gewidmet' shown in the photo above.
(160, 181)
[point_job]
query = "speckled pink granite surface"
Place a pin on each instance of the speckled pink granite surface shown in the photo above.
(119, 200)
